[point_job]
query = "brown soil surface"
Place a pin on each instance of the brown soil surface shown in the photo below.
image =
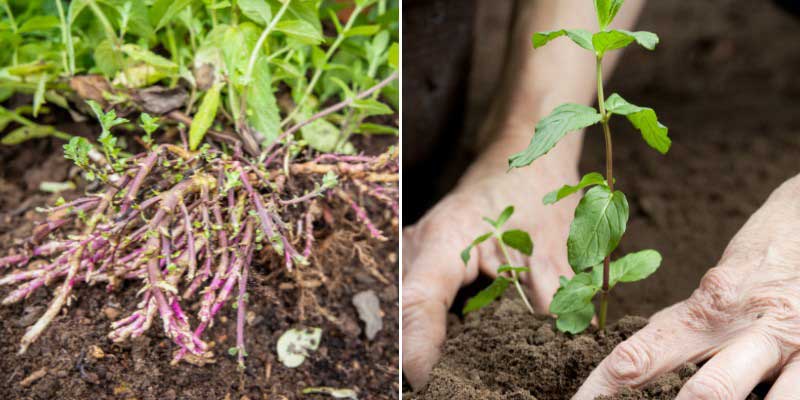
(345, 259)
(729, 97)
(502, 353)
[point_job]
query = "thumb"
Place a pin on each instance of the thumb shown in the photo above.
(432, 275)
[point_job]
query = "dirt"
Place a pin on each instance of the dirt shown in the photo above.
(503, 353)
(726, 84)
(75, 360)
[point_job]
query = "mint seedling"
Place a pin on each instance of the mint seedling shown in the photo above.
(516, 239)
(602, 214)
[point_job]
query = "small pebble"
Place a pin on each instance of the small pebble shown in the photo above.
(96, 352)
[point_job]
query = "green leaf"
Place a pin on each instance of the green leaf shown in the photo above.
(372, 107)
(504, 216)
(106, 59)
(644, 119)
(146, 56)
(590, 179)
(508, 268)
(576, 322)
(262, 109)
(634, 267)
(205, 116)
(257, 10)
(488, 295)
(38, 95)
(301, 30)
(163, 11)
(480, 239)
(363, 30)
(600, 221)
(614, 39)
(552, 128)
(518, 240)
(606, 11)
(39, 23)
(394, 55)
(648, 40)
(581, 37)
(574, 296)
(25, 133)
(77, 150)
(604, 41)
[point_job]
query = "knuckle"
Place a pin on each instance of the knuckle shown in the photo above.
(715, 300)
(630, 362)
(712, 384)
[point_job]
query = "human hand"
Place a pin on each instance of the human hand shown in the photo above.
(433, 271)
(744, 318)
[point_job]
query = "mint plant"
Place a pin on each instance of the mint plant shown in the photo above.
(602, 214)
(516, 239)
(248, 177)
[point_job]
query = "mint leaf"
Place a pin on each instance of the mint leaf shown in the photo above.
(552, 128)
(256, 10)
(508, 268)
(599, 223)
(590, 179)
(504, 216)
(581, 37)
(488, 295)
(77, 150)
(644, 119)
(648, 40)
(634, 267)
(614, 39)
(480, 239)
(205, 116)
(576, 322)
(574, 295)
(262, 109)
(518, 240)
(606, 11)
(300, 30)
(604, 41)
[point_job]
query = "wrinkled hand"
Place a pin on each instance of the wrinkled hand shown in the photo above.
(744, 318)
(433, 271)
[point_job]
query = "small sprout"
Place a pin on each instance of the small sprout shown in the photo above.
(149, 124)
(233, 351)
(232, 180)
(516, 239)
(77, 150)
(329, 180)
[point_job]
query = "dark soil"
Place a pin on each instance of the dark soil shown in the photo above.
(726, 83)
(503, 353)
(346, 262)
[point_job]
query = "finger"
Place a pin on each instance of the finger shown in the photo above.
(734, 372)
(433, 274)
(663, 345)
(786, 386)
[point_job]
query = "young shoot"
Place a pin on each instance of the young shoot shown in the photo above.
(602, 214)
(516, 239)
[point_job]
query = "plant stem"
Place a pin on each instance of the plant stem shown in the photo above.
(13, 28)
(261, 41)
(318, 71)
(604, 292)
(66, 36)
(514, 274)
